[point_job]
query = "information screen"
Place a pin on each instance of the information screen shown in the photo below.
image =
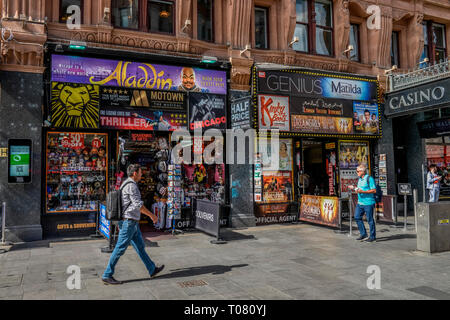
(19, 161)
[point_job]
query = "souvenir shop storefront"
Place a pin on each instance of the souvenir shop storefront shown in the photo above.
(328, 124)
(104, 114)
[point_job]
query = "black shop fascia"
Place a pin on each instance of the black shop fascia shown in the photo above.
(103, 114)
(328, 124)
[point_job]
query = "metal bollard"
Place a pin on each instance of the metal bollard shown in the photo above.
(415, 197)
(405, 212)
(3, 222)
(350, 203)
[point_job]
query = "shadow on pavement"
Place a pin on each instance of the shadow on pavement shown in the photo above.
(193, 271)
(30, 245)
(397, 237)
(229, 235)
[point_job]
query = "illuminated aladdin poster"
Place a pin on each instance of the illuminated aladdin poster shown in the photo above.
(74, 105)
(117, 73)
(320, 210)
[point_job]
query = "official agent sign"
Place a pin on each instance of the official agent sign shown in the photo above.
(420, 98)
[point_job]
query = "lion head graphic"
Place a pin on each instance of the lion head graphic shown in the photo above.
(75, 105)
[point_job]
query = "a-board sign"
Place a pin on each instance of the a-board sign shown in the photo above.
(207, 217)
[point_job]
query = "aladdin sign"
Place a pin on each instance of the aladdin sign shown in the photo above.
(429, 96)
(138, 75)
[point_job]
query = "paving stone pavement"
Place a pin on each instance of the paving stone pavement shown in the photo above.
(287, 262)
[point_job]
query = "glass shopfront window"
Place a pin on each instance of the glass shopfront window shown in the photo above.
(76, 171)
(437, 152)
(276, 179)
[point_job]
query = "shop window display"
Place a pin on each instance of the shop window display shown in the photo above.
(277, 185)
(76, 171)
(438, 153)
(204, 181)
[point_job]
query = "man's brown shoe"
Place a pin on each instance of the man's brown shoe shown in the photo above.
(111, 281)
(157, 270)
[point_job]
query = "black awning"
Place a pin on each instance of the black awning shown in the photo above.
(434, 128)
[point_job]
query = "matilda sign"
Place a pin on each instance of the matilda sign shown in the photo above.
(303, 84)
(428, 96)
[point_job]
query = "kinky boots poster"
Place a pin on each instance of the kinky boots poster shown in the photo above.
(273, 112)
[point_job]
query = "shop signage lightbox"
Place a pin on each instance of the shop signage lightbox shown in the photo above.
(418, 99)
(140, 75)
(307, 84)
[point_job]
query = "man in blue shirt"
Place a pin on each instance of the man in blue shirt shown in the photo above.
(366, 190)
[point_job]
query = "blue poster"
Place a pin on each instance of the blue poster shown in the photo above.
(365, 117)
(348, 89)
(105, 224)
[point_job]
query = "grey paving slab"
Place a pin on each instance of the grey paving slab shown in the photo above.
(431, 292)
(281, 262)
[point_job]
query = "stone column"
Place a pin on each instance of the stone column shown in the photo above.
(341, 27)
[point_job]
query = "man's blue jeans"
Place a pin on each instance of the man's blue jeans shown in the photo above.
(129, 232)
(359, 212)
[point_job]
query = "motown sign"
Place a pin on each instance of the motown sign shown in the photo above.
(418, 99)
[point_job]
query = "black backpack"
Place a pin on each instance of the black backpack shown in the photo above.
(114, 209)
(379, 193)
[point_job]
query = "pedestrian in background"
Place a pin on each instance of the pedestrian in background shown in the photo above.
(129, 226)
(433, 184)
(366, 190)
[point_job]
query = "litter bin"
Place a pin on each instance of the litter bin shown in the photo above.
(433, 226)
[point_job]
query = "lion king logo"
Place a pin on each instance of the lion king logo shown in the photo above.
(75, 105)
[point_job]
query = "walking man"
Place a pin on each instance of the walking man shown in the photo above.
(129, 227)
(366, 190)
(433, 184)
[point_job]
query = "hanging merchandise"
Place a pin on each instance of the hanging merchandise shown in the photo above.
(151, 152)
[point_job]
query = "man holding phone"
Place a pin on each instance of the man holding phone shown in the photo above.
(366, 190)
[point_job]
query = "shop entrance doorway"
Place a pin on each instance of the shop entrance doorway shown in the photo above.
(319, 167)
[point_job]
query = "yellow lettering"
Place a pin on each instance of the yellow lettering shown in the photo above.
(142, 81)
(115, 75)
(130, 82)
